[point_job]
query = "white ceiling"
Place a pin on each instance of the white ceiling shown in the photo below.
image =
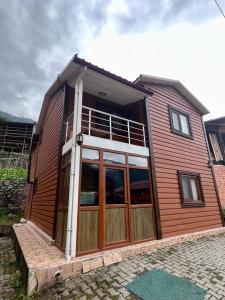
(115, 91)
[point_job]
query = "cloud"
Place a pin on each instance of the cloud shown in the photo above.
(39, 37)
(142, 15)
(37, 40)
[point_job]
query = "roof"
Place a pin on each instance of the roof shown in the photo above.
(216, 121)
(178, 86)
(66, 74)
(17, 123)
(102, 71)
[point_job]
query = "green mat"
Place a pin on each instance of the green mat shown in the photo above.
(160, 285)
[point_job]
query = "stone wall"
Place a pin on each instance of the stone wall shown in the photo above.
(13, 160)
(13, 183)
(13, 194)
(219, 171)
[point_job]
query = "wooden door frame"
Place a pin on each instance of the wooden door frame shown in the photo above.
(101, 207)
(125, 205)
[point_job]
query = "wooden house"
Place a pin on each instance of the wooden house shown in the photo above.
(115, 162)
(215, 130)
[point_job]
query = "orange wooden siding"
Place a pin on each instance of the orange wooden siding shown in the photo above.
(173, 152)
(44, 200)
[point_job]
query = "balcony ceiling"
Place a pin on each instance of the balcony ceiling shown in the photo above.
(96, 80)
(114, 90)
(118, 91)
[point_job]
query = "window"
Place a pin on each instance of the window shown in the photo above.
(139, 186)
(115, 190)
(138, 161)
(223, 139)
(90, 154)
(180, 123)
(89, 195)
(217, 154)
(116, 158)
(190, 189)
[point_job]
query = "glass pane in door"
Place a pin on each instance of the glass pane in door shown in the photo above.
(114, 186)
(89, 195)
(115, 215)
(139, 186)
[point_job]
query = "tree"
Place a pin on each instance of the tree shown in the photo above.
(2, 119)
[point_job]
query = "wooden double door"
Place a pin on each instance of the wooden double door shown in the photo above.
(115, 206)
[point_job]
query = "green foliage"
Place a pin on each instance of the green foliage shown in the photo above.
(10, 173)
(12, 267)
(9, 217)
(224, 212)
(2, 119)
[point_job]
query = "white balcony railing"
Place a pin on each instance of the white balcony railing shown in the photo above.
(105, 125)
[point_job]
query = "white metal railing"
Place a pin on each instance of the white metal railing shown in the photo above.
(109, 126)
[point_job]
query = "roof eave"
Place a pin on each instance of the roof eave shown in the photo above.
(56, 84)
(101, 71)
(177, 85)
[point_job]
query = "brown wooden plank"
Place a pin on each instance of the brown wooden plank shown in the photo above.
(115, 226)
(186, 231)
(88, 231)
(142, 223)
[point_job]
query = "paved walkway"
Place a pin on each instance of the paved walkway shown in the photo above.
(202, 261)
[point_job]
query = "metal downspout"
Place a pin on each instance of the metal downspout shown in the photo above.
(73, 174)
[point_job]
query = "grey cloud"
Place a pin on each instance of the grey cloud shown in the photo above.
(146, 14)
(37, 38)
(33, 36)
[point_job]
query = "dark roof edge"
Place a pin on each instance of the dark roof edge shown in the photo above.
(214, 120)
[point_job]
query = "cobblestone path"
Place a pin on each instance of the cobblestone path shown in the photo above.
(201, 261)
(8, 270)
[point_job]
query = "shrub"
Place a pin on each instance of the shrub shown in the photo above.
(10, 173)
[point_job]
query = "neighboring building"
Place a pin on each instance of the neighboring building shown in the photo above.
(15, 136)
(116, 163)
(216, 138)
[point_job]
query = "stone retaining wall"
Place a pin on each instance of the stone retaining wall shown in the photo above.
(5, 230)
(13, 193)
(13, 160)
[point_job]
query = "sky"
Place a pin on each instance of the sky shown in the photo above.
(178, 39)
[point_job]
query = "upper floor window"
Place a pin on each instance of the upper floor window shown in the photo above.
(190, 189)
(180, 122)
(215, 147)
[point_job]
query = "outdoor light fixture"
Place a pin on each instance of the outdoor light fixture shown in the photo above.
(103, 94)
(80, 139)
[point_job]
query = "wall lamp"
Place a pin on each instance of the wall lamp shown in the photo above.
(80, 139)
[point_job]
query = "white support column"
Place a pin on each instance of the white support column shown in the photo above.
(77, 170)
(70, 250)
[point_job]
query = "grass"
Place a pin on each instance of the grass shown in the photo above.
(11, 267)
(9, 217)
(10, 173)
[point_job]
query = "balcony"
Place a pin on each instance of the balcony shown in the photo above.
(108, 126)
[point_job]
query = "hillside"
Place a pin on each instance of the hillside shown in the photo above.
(11, 118)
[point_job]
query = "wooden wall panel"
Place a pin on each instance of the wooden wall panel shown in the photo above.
(88, 231)
(46, 159)
(64, 231)
(115, 226)
(59, 231)
(142, 223)
(173, 152)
